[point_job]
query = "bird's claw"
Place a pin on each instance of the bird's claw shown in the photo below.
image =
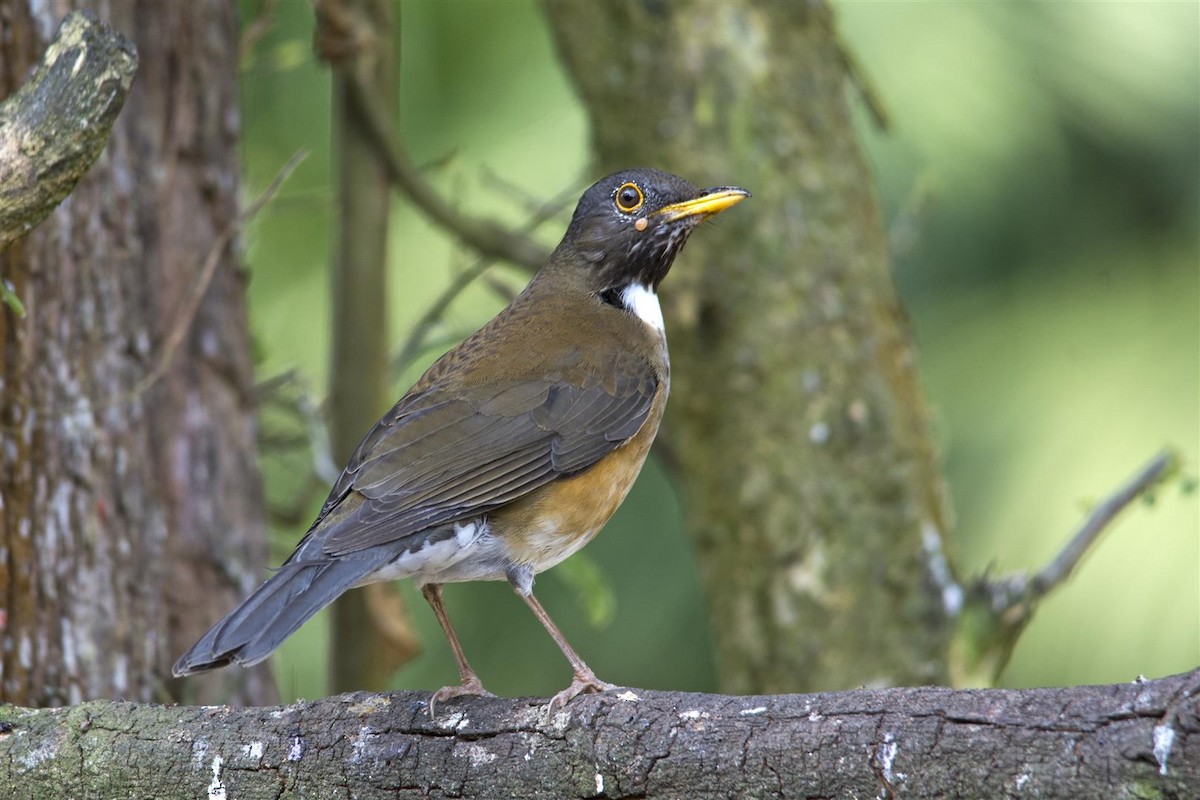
(472, 687)
(581, 684)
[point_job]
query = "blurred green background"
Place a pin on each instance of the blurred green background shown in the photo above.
(1041, 181)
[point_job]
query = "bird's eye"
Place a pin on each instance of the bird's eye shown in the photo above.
(629, 198)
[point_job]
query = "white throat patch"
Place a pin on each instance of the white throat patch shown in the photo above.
(643, 302)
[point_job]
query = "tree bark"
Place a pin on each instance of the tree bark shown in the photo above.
(796, 423)
(1133, 740)
(130, 498)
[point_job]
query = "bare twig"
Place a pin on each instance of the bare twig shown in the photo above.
(415, 340)
(304, 407)
(488, 238)
(187, 314)
(1065, 562)
(259, 27)
(995, 611)
(420, 329)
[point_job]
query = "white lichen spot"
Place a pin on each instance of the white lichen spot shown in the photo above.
(296, 751)
(477, 754)
(939, 569)
(68, 645)
(813, 716)
(808, 576)
(753, 712)
(121, 673)
(694, 714)
(253, 750)
(216, 789)
(1164, 739)
(885, 756)
(1020, 781)
(359, 743)
(79, 62)
(38, 755)
(628, 696)
(199, 751)
(455, 720)
(599, 781)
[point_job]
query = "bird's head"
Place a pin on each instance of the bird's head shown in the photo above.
(628, 227)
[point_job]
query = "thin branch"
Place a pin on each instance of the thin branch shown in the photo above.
(254, 32)
(1065, 562)
(420, 329)
(995, 611)
(415, 340)
(305, 408)
(488, 238)
(188, 314)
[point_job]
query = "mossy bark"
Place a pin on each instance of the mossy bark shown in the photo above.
(796, 424)
(1117, 742)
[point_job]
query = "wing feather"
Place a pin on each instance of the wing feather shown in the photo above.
(442, 456)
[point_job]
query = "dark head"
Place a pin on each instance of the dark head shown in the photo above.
(629, 227)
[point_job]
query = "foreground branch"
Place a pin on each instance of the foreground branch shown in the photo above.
(1140, 739)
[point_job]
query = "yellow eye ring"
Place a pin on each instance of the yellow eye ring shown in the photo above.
(629, 198)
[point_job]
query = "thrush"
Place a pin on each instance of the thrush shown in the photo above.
(514, 449)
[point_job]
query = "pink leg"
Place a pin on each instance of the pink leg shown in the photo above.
(584, 680)
(470, 683)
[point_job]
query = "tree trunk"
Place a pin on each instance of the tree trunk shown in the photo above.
(356, 37)
(1132, 740)
(130, 498)
(796, 423)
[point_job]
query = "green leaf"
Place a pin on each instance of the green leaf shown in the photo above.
(10, 298)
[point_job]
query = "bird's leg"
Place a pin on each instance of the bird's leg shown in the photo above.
(469, 681)
(585, 680)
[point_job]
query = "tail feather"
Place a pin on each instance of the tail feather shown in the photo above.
(285, 601)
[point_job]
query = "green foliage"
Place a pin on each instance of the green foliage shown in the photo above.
(592, 588)
(10, 298)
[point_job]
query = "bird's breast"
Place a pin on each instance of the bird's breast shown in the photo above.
(548, 525)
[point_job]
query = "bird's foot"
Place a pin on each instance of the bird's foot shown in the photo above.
(470, 687)
(582, 684)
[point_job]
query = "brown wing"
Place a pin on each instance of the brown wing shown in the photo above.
(436, 457)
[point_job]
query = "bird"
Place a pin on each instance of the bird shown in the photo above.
(513, 449)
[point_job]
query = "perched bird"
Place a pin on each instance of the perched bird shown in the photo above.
(514, 448)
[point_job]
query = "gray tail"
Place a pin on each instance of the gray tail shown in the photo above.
(258, 625)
